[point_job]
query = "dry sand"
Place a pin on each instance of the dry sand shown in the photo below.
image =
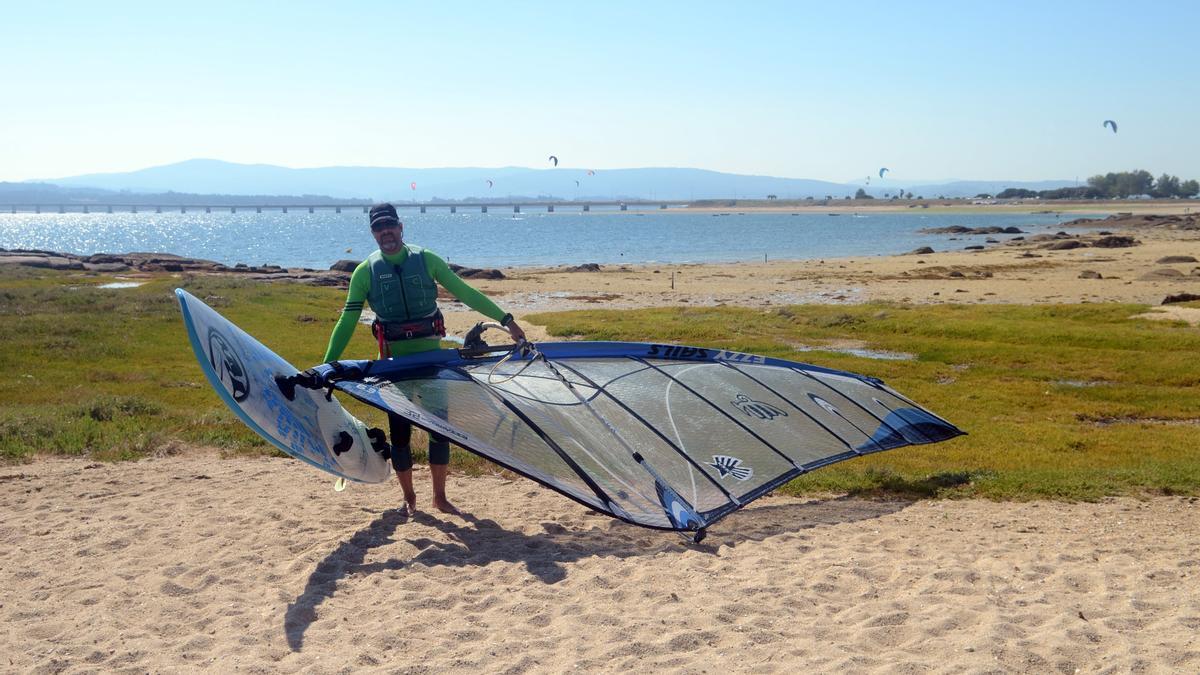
(194, 563)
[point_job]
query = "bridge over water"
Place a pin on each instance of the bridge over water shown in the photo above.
(515, 206)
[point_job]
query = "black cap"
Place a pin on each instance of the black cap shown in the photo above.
(383, 214)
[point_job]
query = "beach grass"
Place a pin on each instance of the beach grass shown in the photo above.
(1072, 401)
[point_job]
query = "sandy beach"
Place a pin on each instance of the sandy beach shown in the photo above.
(196, 563)
(193, 562)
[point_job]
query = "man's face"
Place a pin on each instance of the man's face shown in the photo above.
(390, 238)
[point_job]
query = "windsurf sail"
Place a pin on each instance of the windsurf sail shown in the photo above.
(663, 436)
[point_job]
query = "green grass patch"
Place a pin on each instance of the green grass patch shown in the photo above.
(1072, 401)
(110, 372)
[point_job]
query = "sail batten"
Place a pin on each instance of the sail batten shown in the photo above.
(683, 455)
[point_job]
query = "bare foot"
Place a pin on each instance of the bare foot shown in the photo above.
(410, 502)
(444, 506)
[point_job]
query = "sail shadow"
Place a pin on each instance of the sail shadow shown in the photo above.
(349, 556)
(470, 541)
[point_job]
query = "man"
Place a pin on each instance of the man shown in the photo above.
(400, 281)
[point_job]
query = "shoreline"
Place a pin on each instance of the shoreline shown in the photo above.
(160, 261)
(1032, 269)
(1039, 269)
(901, 238)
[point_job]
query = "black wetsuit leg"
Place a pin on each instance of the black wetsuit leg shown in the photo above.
(401, 433)
(439, 449)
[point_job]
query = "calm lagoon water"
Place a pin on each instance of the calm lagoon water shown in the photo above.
(318, 239)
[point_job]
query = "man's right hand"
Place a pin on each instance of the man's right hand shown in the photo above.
(515, 330)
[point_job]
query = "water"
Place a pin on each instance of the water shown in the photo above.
(877, 354)
(316, 240)
(121, 284)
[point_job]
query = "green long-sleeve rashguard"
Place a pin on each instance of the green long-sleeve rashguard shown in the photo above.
(360, 284)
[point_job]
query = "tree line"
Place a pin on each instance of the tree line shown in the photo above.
(1116, 186)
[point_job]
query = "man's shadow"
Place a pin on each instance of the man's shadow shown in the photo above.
(481, 542)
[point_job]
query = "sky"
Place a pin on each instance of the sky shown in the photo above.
(821, 90)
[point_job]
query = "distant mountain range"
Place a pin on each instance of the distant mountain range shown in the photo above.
(210, 176)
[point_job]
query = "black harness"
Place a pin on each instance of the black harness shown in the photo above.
(391, 331)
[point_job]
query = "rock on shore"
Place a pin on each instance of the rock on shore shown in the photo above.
(338, 275)
(1187, 221)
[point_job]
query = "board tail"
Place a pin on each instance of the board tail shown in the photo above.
(310, 426)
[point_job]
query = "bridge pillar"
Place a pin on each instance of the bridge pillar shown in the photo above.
(258, 209)
(516, 208)
(285, 209)
(483, 209)
(310, 209)
(337, 209)
(158, 209)
(662, 207)
(422, 208)
(208, 209)
(183, 209)
(453, 209)
(587, 207)
(233, 209)
(624, 207)
(549, 208)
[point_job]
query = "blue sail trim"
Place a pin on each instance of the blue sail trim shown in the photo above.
(681, 515)
(590, 350)
(909, 426)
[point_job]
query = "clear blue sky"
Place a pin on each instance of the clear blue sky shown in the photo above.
(933, 90)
